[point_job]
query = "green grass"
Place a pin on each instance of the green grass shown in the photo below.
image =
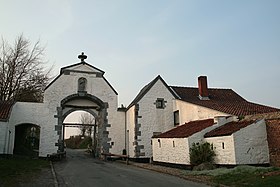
(14, 170)
(243, 176)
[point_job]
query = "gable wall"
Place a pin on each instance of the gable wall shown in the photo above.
(191, 112)
(251, 146)
(154, 119)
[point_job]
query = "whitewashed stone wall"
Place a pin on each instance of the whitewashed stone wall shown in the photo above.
(190, 112)
(117, 134)
(42, 114)
(130, 125)
(171, 150)
(251, 146)
(247, 146)
(3, 137)
(37, 114)
(154, 119)
(178, 154)
(96, 86)
(226, 154)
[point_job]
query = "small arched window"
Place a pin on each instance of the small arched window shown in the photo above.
(82, 82)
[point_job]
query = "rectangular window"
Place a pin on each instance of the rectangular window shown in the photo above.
(173, 144)
(176, 118)
(223, 145)
(160, 103)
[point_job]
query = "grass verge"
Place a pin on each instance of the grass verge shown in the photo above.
(16, 170)
(242, 176)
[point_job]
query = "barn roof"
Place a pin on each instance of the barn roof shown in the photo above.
(187, 129)
(223, 100)
(5, 110)
(229, 128)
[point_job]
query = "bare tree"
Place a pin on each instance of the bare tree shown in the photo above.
(86, 119)
(23, 76)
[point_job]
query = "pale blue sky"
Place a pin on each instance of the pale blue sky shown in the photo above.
(235, 43)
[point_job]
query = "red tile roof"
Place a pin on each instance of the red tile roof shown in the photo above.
(228, 129)
(223, 100)
(5, 109)
(186, 130)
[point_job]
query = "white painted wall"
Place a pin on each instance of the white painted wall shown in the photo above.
(3, 137)
(153, 119)
(42, 114)
(38, 114)
(224, 155)
(171, 150)
(190, 112)
(180, 153)
(130, 120)
(251, 146)
(117, 134)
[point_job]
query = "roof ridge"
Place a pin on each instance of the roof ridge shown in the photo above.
(197, 88)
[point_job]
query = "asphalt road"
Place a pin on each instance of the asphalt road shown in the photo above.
(79, 169)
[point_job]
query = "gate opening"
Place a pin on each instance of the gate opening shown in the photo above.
(81, 132)
(27, 139)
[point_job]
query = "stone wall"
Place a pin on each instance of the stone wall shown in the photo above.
(153, 119)
(224, 149)
(130, 125)
(251, 146)
(273, 138)
(171, 150)
(3, 137)
(45, 114)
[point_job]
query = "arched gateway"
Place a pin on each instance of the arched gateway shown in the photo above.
(80, 86)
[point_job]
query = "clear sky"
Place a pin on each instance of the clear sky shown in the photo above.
(235, 43)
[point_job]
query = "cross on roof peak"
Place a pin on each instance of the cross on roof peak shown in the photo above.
(82, 57)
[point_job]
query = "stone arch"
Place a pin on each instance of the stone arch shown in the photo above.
(27, 139)
(98, 110)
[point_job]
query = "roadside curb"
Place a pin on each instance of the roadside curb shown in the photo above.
(54, 175)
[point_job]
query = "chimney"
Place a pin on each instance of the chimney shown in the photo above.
(203, 88)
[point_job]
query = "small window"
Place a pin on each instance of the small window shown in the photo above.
(176, 118)
(160, 103)
(223, 145)
(159, 144)
(112, 143)
(173, 144)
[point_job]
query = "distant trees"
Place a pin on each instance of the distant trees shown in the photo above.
(23, 76)
(86, 119)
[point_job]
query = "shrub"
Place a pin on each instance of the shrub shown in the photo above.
(201, 153)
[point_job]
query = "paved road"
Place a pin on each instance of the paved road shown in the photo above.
(80, 169)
